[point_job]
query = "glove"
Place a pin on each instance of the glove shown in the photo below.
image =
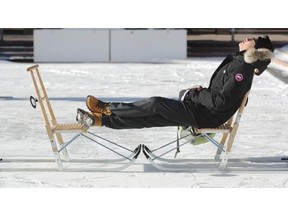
(184, 94)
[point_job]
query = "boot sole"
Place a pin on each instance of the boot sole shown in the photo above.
(84, 118)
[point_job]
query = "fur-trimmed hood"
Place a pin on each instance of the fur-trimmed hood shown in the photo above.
(252, 55)
(259, 58)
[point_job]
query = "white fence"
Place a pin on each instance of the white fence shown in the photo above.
(70, 45)
(95, 45)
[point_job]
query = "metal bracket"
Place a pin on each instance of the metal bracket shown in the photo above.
(224, 161)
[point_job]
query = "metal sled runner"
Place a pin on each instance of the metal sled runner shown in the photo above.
(55, 130)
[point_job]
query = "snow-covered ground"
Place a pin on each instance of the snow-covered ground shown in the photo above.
(262, 133)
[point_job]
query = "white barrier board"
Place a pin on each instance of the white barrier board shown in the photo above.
(71, 45)
(94, 45)
(148, 45)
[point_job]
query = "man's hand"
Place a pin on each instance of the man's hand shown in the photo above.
(196, 88)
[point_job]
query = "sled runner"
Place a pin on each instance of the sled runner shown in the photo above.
(55, 130)
(196, 136)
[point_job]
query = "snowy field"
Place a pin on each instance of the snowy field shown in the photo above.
(262, 132)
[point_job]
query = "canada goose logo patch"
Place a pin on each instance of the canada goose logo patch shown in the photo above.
(239, 77)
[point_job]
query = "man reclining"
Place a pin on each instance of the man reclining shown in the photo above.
(198, 107)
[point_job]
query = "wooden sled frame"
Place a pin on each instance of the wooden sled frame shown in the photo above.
(54, 129)
(228, 129)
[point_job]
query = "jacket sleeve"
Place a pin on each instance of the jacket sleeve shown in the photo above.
(233, 90)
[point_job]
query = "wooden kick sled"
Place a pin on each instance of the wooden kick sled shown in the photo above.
(54, 130)
(224, 145)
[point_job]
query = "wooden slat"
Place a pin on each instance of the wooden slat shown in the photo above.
(69, 127)
(220, 129)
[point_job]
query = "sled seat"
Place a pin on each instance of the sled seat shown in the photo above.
(229, 131)
(69, 127)
(220, 129)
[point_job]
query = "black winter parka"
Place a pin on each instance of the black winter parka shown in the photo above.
(229, 83)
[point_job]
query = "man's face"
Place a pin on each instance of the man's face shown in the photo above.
(246, 44)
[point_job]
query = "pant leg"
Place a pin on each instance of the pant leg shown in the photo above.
(116, 122)
(152, 112)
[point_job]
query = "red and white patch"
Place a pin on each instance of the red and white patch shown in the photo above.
(239, 77)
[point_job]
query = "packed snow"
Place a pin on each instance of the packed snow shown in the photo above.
(27, 156)
(262, 132)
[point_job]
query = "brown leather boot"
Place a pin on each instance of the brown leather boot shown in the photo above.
(97, 106)
(88, 119)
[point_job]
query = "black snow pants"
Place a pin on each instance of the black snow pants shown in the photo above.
(151, 112)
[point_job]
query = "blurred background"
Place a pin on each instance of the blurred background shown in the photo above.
(17, 44)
